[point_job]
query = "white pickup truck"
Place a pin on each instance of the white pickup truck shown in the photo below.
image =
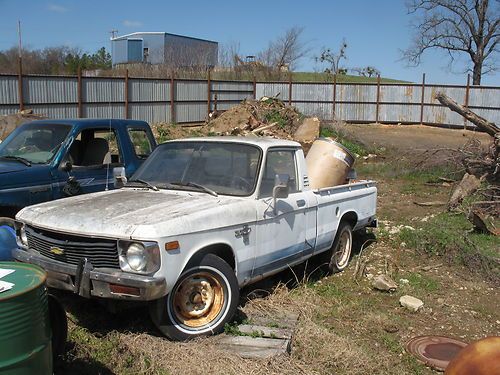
(198, 220)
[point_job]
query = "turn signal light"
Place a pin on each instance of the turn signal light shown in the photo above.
(174, 245)
(122, 289)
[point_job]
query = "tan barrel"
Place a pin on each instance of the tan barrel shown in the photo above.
(328, 163)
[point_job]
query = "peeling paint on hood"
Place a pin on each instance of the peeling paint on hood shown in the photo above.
(139, 213)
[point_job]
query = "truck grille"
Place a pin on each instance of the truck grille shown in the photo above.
(102, 253)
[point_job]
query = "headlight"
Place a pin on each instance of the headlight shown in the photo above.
(139, 257)
(136, 257)
(21, 237)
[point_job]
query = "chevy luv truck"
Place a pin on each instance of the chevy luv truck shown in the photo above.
(51, 159)
(198, 220)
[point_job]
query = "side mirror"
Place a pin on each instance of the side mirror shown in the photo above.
(119, 178)
(67, 166)
(280, 189)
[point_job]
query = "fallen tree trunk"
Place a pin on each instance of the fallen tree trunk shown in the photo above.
(481, 123)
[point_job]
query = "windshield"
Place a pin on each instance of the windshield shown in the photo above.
(35, 143)
(223, 168)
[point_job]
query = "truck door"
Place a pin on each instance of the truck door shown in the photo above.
(93, 154)
(281, 233)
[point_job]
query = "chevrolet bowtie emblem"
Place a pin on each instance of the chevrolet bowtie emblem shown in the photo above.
(56, 250)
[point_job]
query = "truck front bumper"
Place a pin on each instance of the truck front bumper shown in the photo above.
(88, 282)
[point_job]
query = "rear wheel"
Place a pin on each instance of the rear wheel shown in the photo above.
(204, 298)
(340, 254)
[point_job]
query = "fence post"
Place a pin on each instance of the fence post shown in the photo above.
(209, 92)
(20, 83)
(289, 89)
(254, 87)
(172, 102)
(126, 93)
(215, 103)
(334, 96)
(422, 101)
(466, 104)
(377, 110)
(79, 93)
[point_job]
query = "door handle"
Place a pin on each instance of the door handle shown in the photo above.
(301, 203)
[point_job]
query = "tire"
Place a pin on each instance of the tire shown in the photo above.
(59, 325)
(202, 301)
(341, 250)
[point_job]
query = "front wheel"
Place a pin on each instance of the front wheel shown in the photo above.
(204, 298)
(340, 253)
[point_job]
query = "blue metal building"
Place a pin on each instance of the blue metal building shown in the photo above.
(163, 48)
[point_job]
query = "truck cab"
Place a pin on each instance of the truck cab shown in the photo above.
(50, 159)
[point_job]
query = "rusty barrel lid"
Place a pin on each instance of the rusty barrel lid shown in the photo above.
(435, 351)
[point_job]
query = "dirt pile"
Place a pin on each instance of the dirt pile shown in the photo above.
(264, 117)
(9, 123)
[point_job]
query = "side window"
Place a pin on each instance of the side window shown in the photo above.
(141, 142)
(94, 147)
(278, 162)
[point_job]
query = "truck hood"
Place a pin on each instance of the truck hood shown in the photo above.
(139, 213)
(8, 166)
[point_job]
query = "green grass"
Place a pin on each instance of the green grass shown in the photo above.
(450, 235)
(404, 171)
(391, 343)
(354, 147)
(295, 76)
(326, 77)
(330, 290)
(275, 116)
(422, 282)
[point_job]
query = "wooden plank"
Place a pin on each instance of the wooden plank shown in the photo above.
(255, 347)
(288, 320)
(273, 333)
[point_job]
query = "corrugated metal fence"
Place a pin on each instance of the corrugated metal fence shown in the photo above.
(189, 101)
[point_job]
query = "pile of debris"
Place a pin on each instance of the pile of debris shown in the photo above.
(9, 123)
(268, 116)
(482, 172)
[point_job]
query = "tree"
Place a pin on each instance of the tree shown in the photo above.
(101, 59)
(333, 58)
(368, 71)
(459, 27)
(54, 60)
(285, 51)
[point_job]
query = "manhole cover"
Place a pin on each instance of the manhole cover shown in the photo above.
(435, 351)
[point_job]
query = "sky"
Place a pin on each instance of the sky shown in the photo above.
(375, 30)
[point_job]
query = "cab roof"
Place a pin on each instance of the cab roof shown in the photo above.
(262, 142)
(90, 122)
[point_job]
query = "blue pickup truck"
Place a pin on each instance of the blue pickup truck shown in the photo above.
(51, 159)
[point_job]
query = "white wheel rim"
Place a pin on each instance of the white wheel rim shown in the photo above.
(343, 254)
(210, 325)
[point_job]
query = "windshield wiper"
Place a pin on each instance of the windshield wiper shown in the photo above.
(150, 186)
(197, 186)
(17, 158)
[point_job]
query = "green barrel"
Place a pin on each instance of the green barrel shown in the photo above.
(25, 334)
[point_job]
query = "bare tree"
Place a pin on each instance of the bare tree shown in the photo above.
(228, 53)
(332, 58)
(458, 27)
(285, 51)
(368, 71)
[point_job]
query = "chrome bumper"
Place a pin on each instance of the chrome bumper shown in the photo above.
(88, 282)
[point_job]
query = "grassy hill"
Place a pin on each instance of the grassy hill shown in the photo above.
(296, 77)
(326, 77)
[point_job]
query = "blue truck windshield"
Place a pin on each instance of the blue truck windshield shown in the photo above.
(34, 143)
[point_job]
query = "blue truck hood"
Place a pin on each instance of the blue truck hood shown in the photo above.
(7, 166)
